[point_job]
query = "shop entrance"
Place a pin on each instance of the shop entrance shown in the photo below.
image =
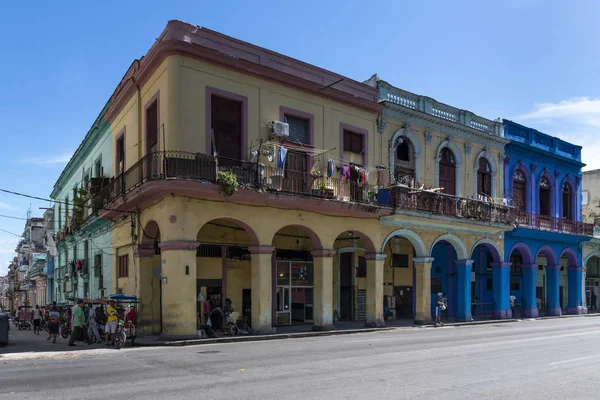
(346, 261)
(295, 292)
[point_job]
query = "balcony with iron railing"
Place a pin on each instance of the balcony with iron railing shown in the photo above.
(179, 165)
(551, 224)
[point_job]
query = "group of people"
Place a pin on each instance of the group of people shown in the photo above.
(214, 314)
(83, 321)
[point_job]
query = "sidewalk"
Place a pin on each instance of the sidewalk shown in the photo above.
(303, 331)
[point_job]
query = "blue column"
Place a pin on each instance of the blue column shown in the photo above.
(501, 289)
(575, 290)
(463, 280)
(529, 277)
(552, 289)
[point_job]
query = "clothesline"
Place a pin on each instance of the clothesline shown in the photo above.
(321, 152)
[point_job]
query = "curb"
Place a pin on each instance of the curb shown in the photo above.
(300, 335)
(276, 336)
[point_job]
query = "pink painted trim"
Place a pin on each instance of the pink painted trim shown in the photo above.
(261, 249)
(121, 134)
(210, 91)
(463, 263)
(323, 253)
(149, 103)
(178, 245)
(575, 268)
(283, 111)
(553, 267)
(360, 131)
(141, 252)
(501, 265)
(548, 253)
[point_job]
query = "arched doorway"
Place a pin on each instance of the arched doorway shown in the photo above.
(350, 275)
(484, 255)
(446, 274)
(548, 289)
(519, 194)
(568, 203)
(592, 282)
(545, 197)
(572, 280)
(150, 309)
(223, 268)
(294, 278)
(404, 163)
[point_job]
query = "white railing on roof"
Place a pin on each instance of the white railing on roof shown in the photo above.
(430, 106)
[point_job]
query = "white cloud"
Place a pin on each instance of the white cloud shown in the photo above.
(57, 159)
(6, 206)
(575, 120)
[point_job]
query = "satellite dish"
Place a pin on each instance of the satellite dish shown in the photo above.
(158, 271)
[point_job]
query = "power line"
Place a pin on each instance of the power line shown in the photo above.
(10, 232)
(11, 217)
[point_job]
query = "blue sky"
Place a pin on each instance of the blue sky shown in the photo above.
(536, 62)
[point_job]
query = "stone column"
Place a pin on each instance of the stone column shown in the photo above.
(463, 270)
(553, 296)
(148, 324)
(529, 281)
(423, 289)
(178, 289)
(375, 289)
(574, 306)
(323, 290)
(501, 290)
(261, 284)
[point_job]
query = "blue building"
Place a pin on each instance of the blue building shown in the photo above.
(542, 177)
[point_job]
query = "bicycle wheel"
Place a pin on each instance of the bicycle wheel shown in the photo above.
(120, 339)
(64, 333)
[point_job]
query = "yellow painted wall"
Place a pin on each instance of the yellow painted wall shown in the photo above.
(429, 153)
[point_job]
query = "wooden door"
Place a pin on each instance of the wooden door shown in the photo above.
(345, 280)
(295, 172)
(226, 124)
(447, 171)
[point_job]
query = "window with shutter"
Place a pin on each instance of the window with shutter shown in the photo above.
(484, 177)
(545, 189)
(152, 127)
(567, 198)
(353, 142)
(298, 129)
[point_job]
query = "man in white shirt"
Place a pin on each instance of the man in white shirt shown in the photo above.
(37, 318)
(94, 324)
(512, 301)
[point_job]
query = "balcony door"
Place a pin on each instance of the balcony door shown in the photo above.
(519, 191)
(545, 197)
(567, 202)
(447, 169)
(295, 172)
(226, 125)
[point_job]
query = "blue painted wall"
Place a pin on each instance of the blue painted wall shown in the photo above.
(444, 269)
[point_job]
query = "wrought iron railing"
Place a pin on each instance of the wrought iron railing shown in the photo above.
(404, 198)
(200, 167)
(561, 225)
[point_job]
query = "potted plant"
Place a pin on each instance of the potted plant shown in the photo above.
(228, 181)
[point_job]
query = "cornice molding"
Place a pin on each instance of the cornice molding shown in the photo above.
(427, 121)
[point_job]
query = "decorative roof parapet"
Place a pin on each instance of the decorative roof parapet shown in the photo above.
(427, 105)
(542, 141)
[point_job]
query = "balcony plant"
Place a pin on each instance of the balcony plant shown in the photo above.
(78, 205)
(228, 181)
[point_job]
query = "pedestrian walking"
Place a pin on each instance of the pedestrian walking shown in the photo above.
(439, 307)
(512, 299)
(53, 324)
(594, 299)
(111, 322)
(93, 324)
(36, 316)
(79, 325)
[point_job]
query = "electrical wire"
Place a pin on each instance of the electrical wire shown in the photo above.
(3, 230)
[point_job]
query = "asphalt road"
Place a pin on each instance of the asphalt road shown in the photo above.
(549, 359)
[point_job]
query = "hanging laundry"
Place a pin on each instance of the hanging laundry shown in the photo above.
(345, 172)
(330, 167)
(281, 157)
(78, 265)
(354, 174)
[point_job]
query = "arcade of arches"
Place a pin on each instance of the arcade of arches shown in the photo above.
(322, 270)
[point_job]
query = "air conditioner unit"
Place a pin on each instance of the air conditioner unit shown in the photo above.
(281, 129)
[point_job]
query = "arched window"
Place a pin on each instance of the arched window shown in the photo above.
(447, 171)
(404, 164)
(484, 177)
(567, 201)
(545, 197)
(519, 190)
